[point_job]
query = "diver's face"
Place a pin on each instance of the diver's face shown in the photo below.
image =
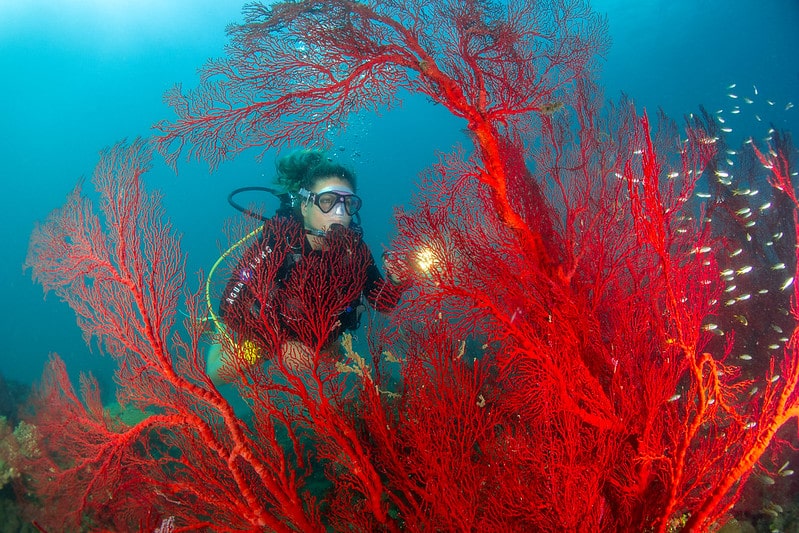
(313, 216)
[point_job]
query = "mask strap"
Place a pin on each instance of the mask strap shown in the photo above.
(308, 195)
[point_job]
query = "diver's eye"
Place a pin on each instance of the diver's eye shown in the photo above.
(327, 201)
(352, 203)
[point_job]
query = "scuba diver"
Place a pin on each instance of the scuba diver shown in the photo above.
(319, 205)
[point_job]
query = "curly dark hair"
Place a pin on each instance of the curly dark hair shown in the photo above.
(304, 168)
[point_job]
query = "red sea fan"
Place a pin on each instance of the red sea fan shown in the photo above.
(558, 363)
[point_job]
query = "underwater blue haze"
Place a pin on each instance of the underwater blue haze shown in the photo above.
(80, 75)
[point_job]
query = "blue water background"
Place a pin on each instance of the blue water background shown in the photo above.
(79, 75)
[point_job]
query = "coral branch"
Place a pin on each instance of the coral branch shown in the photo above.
(123, 278)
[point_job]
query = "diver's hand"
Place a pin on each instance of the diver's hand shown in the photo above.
(297, 357)
(395, 268)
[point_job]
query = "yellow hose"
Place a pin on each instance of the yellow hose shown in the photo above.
(224, 256)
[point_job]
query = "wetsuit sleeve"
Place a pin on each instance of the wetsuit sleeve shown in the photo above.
(239, 302)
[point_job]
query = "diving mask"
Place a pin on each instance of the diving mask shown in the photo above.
(330, 198)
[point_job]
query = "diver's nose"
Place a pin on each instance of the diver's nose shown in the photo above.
(338, 209)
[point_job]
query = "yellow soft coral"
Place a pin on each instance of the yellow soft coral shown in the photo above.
(15, 445)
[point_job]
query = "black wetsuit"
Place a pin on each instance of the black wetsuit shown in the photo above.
(262, 280)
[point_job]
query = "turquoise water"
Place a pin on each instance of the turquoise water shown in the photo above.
(81, 75)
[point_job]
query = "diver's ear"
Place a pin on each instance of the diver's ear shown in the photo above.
(304, 209)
